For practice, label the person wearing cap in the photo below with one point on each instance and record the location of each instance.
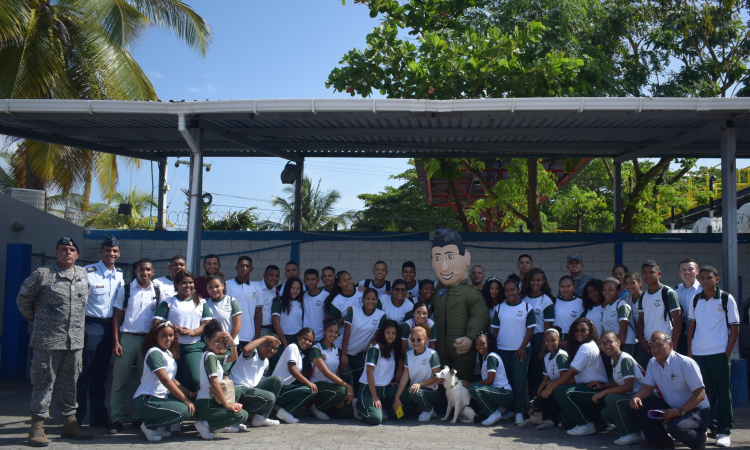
(575, 267)
(683, 405)
(57, 338)
(105, 279)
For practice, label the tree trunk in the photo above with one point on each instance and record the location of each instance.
(533, 195)
(459, 206)
(86, 197)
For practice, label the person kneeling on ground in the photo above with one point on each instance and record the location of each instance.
(684, 399)
(258, 394)
(420, 367)
(334, 394)
(296, 390)
(493, 393)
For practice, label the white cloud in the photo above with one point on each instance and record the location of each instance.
(195, 90)
(211, 89)
(156, 74)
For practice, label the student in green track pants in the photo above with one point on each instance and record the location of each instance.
(296, 390)
(420, 366)
(258, 394)
(160, 400)
(712, 334)
(333, 392)
(628, 378)
(579, 411)
(214, 416)
(493, 393)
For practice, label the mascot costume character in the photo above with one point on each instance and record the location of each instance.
(460, 310)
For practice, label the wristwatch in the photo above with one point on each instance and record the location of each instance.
(680, 411)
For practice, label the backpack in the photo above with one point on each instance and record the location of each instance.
(724, 304)
(126, 299)
(664, 297)
(368, 282)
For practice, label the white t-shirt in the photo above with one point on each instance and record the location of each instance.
(339, 306)
(544, 311)
(413, 293)
(248, 371)
(330, 356)
(210, 367)
(264, 299)
(409, 325)
(184, 313)
(363, 328)
(156, 359)
(566, 312)
(625, 368)
(168, 286)
(247, 298)
(555, 364)
(315, 313)
(394, 312)
(421, 365)
(711, 333)
(493, 363)
(223, 311)
(589, 365)
(290, 322)
(595, 314)
(291, 354)
(384, 367)
(613, 314)
(653, 306)
(381, 290)
(512, 323)
(141, 307)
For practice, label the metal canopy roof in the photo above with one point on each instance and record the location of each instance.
(623, 128)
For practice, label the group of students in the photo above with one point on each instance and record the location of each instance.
(367, 349)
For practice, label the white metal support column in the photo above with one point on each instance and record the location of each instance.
(729, 210)
(194, 139)
(617, 186)
(298, 196)
(161, 218)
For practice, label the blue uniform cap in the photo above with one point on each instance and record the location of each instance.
(66, 240)
(111, 242)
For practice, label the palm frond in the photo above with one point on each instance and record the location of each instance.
(180, 19)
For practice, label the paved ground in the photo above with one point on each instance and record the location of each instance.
(311, 434)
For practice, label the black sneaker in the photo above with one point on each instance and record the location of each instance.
(106, 423)
(712, 434)
(115, 428)
(136, 424)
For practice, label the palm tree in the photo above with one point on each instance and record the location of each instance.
(317, 209)
(104, 215)
(80, 49)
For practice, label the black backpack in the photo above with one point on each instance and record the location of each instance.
(368, 282)
(126, 299)
(724, 304)
(664, 297)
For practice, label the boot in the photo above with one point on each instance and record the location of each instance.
(72, 430)
(36, 433)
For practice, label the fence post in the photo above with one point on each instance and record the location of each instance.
(15, 326)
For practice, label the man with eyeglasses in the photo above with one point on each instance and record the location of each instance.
(686, 292)
(683, 406)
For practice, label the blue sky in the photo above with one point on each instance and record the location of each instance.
(278, 49)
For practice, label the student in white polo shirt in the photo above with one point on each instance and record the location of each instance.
(378, 282)
(686, 291)
(683, 401)
(340, 300)
(243, 290)
(619, 271)
(265, 293)
(291, 270)
(420, 367)
(258, 394)
(409, 275)
(493, 393)
(658, 309)
(712, 334)
(296, 390)
(176, 264)
(335, 395)
(396, 305)
(288, 315)
(568, 308)
(617, 317)
(536, 292)
(314, 302)
(360, 326)
(131, 321)
(224, 308)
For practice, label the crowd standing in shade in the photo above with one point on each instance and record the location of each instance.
(626, 354)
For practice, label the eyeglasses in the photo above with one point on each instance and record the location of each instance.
(581, 331)
(417, 339)
(399, 289)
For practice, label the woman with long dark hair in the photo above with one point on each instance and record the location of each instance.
(189, 313)
(343, 295)
(537, 293)
(426, 291)
(493, 393)
(360, 326)
(288, 315)
(493, 293)
(593, 302)
(334, 394)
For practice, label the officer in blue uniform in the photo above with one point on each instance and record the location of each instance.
(105, 279)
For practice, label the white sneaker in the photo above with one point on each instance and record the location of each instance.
(432, 411)
(151, 435)
(385, 415)
(509, 415)
(242, 427)
(232, 429)
(630, 439)
(285, 416)
(162, 431)
(354, 407)
(493, 418)
(203, 430)
(319, 414)
(611, 427)
(502, 410)
(723, 440)
(425, 416)
(176, 428)
(583, 430)
(260, 421)
(519, 418)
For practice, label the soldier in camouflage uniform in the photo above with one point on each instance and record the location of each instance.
(460, 310)
(53, 299)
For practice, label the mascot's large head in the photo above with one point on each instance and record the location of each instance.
(450, 260)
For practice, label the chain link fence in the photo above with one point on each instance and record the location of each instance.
(41, 259)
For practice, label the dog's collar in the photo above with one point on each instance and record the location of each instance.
(455, 384)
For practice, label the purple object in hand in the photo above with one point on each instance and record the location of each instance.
(656, 414)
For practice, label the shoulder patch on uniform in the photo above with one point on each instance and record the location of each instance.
(91, 269)
(118, 269)
(441, 292)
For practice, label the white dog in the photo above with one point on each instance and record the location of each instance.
(458, 397)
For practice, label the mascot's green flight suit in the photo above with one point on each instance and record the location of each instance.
(460, 310)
